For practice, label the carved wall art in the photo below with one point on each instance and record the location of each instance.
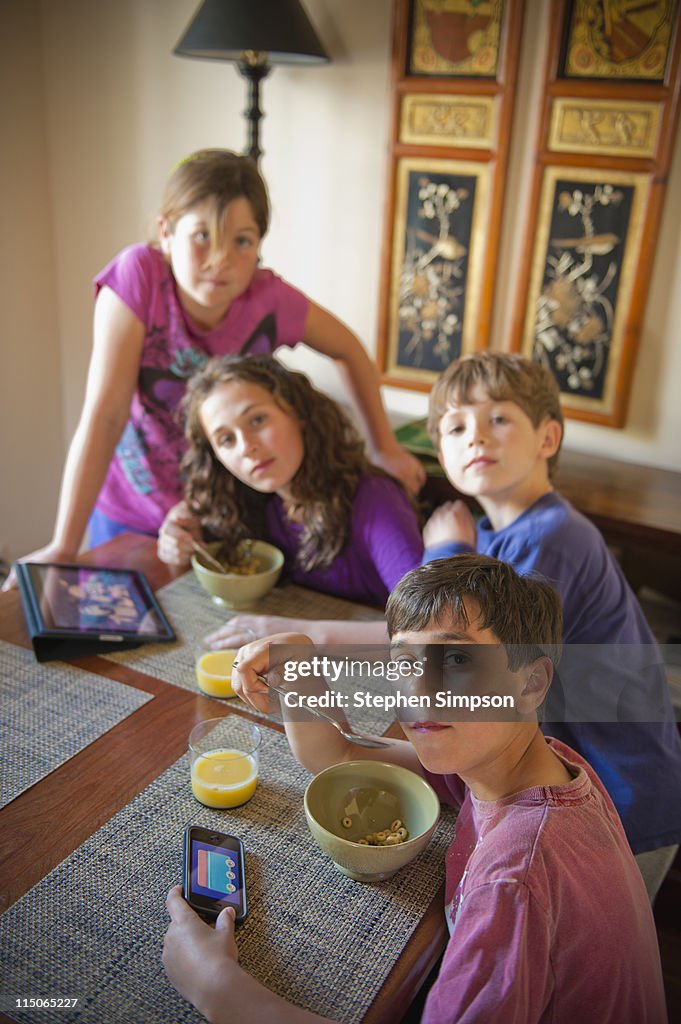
(453, 79)
(605, 139)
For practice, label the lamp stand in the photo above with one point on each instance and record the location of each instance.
(254, 72)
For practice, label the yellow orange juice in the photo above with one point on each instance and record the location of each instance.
(224, 777)
(214, 673)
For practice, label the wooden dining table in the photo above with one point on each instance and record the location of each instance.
(47, 822)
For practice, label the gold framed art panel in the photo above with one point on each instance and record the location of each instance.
(604, 127)
(455, 38)
(624, 41)
(587, 250)
(456, 122)
(454, 69)
(437, 263)
(609, 115)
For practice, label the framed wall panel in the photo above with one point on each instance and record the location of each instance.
(456, 122)
(455, 38)
(603, 156)
(453, 79)
(587, 249)
(441, 217)
(604, 127)
(623, 40)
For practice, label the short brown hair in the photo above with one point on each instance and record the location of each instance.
(505, 378)
(523, 612)
(220, 176)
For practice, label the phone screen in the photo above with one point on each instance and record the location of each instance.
(214, 872)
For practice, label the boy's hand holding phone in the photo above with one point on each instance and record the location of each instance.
(195, 954)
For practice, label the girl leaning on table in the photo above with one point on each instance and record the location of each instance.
(161, 311)
(271, 457)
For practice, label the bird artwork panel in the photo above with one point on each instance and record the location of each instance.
(433, 258)
(585, 262)
(576, 308)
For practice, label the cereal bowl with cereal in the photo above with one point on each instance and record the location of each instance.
(248, 574)
(371, 817)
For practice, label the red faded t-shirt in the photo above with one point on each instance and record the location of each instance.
(143, 481)
(548, 914)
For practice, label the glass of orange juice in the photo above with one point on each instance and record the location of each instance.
(223, 753)
(214, 665)
(214, 670)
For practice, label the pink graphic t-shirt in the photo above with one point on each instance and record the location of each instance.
(143, 481)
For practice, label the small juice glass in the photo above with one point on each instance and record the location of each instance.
(224, 761)
(214, 670)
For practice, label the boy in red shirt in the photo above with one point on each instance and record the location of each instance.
(548, 915)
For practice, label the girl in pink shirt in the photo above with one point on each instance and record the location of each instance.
(161, 311)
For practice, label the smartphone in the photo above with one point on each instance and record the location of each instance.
(214, 875)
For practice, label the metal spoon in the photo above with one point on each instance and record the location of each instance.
(353, 737)
(218, 566)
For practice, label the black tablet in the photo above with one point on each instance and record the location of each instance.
(74, 609)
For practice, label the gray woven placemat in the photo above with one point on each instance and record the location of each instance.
(193, 615)
(49, 712)
(93, 928)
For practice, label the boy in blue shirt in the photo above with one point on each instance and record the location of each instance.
(497, 425)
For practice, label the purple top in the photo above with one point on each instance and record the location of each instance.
(639, 761)
(384, 543)
(548, 914)
(143, 480)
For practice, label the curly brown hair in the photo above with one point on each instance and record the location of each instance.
(324, 487)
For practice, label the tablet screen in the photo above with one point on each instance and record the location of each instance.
(85, 599)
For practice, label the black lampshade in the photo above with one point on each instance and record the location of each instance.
(225, 29)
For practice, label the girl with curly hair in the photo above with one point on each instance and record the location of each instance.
(271, 457)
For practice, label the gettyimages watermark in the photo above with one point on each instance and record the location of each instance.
(397, 672)
(613, 683)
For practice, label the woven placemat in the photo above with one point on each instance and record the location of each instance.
(193, 615)
(49, 712)
(93, 928)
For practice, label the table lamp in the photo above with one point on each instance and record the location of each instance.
(255, 34)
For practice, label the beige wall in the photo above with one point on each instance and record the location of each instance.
(31, 420)
(102, 111)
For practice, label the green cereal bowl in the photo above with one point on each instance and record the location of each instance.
(372, 794)
(230, 590)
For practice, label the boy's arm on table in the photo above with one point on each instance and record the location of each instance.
(315, 744)
(113, 373)
(203, 964)
(320, 631)
(326, 334)
(449, 531)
